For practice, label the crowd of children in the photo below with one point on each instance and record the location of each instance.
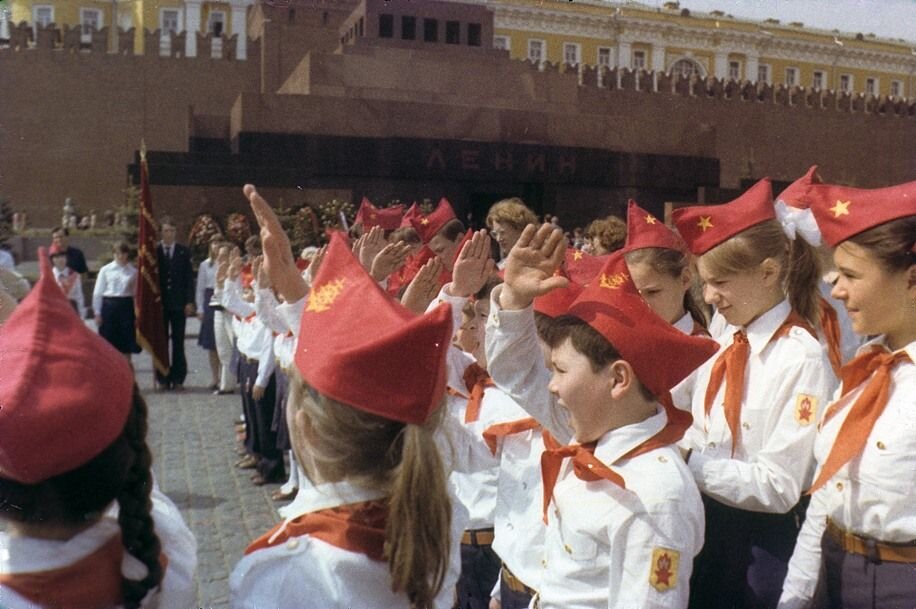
(700, 416)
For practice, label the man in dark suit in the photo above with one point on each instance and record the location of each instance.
(176, 282)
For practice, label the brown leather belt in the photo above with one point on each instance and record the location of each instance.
(477, 537)
(876, 550)
(514, 583)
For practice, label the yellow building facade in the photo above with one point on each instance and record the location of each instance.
(218, 18)
(672, 38)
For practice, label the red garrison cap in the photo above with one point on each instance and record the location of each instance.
(362, 348)
(705, 226)
(65, 392)
(56, 249)
(796, 194)
(645, 230)
(389, 218)
(428, 226)
(842, 212)
(661, 355)
(412, 212)
(580, 267)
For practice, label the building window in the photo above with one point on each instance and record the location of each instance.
(452, 32)
(474, 34)
(90, 21)
(386, 26)
(170, 20)
(536, 50)
(685, 67)
(846, 83)
(818, 81)
(897, 88)
(503, 43)
(604, 57)
(408, 27)
(42, 15)
(359, 27)
(430, 30)
(871, 86)
(763, 73)
(639, 60)
(734, 70)
(571, 53)
(217, 23)
(791, 77)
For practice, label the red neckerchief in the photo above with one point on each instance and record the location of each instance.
(357, 527)
(476, 380)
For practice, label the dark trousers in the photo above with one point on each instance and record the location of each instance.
(744, 558)
(512, 599)
(853, 581)
(479, 569)
(174, 322)
(260, 439)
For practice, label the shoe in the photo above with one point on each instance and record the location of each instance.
(258, 479)
(214, 387)
(248, 462)
(178, 387)
(239, 421)
(279, 495)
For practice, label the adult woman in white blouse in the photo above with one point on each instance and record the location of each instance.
(113, 301)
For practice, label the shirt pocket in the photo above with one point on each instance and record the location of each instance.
(578, 545)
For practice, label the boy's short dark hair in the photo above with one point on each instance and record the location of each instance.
(452, 230)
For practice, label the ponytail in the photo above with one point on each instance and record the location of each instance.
(137, 530)
(802, 278)
(419, 519)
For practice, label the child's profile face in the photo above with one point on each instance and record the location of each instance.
(663, 293)
(584, 393)
(59, 262)
(470, 337)
(739, 297)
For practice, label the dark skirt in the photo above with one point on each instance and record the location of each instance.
(118, 323)
(206, 338)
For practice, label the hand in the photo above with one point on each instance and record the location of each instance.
(256, 267)
(98, 321)
(235, 268)
(389, 259)
(424, 287)
(257, 392)
(189, 309)
(278, 254)
(222, 271)
(372, 243)
(495, 604)
(530, 267)
(200, 316)
(260, 274)
(473, 266)
(315, 264)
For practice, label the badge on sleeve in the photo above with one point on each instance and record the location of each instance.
(805, 409)
(663, 573)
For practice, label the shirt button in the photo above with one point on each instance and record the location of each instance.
(292, 544)
(881, 445)
(839, 486)
(567, 548)
(544, 562)
(524, 486)
(745, 426)
(711, 445)
(662, 459)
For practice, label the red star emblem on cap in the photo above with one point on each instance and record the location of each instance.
(841, 208)
(705, 223)
(424, 221)
(577, 255)
(650, 219)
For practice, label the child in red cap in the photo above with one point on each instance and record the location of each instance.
(623, 514)
(86, 526)
(378, 528)
(755, 406)
(858, 543)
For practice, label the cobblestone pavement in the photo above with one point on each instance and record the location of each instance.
(192, 437)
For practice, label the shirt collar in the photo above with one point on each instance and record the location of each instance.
(881, 341)
(761, 330)
(328, 495)
(618, 442)
(685, 324)
(30, 554)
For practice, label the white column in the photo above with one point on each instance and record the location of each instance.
(240, 28)
(191, 27)
(751, 67)
(5, 23)
(623, 54)
(721, 67)
(658, 58)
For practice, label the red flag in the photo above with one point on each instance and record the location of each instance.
(148, 301)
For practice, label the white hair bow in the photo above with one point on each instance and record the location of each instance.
(798, 221)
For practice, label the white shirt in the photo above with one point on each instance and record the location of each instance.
(6, 260)
(518, 518)
(206, 278)
(113, 280)
(874, 494)
(306, 571)
(603, 543)
(178, 589)
(256, 341)
(773, 462)
(70, 277)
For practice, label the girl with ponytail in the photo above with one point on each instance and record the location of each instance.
(755, 405)
(858, 543)
(378, 528)
(86, 529)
